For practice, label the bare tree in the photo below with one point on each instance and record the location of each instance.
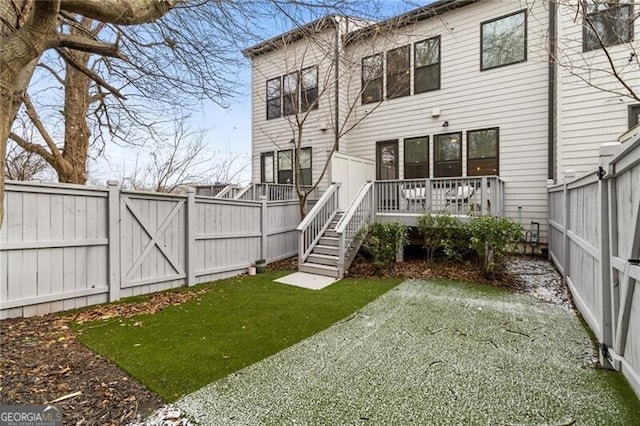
(29, 28)
(23, 165)
(315, 52)
(171, 161)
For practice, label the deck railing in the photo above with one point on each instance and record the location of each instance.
(317, 221)
(359, 213)
(471, 196)
(270, 192)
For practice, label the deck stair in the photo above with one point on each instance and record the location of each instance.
(324, 257)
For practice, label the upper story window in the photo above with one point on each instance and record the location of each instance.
(372, 74)
(416, 158)
(447, 150)
(426, 74)
(399, 72)
(504, 41)
(482, 152)
(292, 93)
(274, 98)
(309, 89)
(607, 23)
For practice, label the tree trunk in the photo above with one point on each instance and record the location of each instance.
(76, 131)
(19, 51)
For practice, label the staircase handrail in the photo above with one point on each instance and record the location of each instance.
(239, 195)
(226, 191)
(359, 213)
(317, 221)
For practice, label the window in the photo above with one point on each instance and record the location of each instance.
(309, 89)
(290, 94)
(416, 158)
(634, 115)
(305, 167)
(504, 41)
(285, 167)
(399, 72)
(482, 152)
(426, 75)
(274, 100)
(266, 167)
(447, 155)
(607, 23)
(372, 79)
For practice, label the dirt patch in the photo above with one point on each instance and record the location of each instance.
(42, 361)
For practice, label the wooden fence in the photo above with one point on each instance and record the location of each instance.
(595, 243)
(69, 246)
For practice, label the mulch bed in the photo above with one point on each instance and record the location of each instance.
(41, 361)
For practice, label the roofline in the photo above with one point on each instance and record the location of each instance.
(298, 33)
(420, 14)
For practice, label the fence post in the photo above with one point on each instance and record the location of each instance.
(190, 217)
(567, 242)
(605, 271)
(263, 229)
(114, 239)
(483, 194)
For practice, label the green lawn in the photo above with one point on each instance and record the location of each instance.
(238, 322)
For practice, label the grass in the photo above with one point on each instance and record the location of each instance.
(430, 352)
(238, 322)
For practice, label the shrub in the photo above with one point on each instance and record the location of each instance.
(383, 241)
(443, 231)
(493, 238)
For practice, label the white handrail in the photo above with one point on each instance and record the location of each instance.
(353, 207)
(317, 221)
(359, 213)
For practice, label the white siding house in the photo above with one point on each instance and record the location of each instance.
(467, 86)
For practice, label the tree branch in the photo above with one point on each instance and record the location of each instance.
(122, 12)
(35, 119)
(32, 147)
(92, 75)
(84, 44)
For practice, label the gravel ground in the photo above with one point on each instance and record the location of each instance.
(427, 354)
(539, 278)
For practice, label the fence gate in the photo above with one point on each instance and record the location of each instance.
(152, 239)
(624, 202)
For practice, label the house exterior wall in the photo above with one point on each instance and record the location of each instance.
(592, 108)
(276, 134)
(513, 98)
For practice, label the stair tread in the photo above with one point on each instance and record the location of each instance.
(320, 266)
(325, 256)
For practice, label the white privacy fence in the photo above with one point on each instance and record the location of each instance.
(595, 243)
(69, 246)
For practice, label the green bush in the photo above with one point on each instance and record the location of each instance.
(383, 240)
(443, 232)
(493, 238)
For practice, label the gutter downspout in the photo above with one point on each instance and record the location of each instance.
(552, 89)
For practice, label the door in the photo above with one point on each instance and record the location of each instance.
(387, 169)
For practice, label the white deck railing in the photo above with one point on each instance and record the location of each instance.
(317, 221)
(270, 192)
(359, 213)
(472, 196)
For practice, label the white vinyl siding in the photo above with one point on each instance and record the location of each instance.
(589, 116)
(513, 98)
